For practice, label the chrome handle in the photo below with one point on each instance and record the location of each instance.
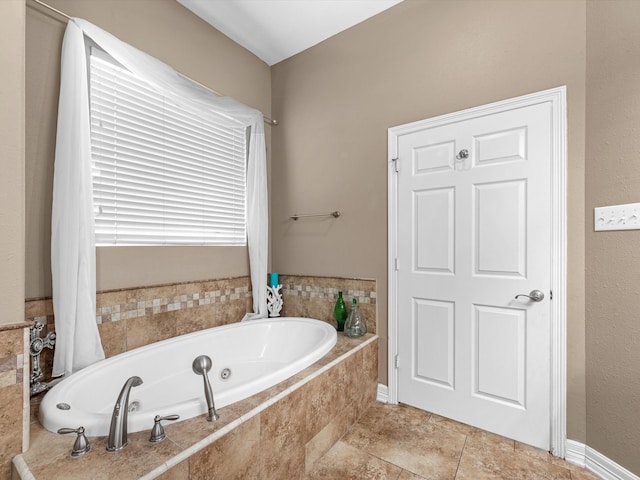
(463, 154)
(81, 445)
(157, 432)
(534, 295)
(168, 417)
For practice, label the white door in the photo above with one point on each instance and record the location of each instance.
(474, 231)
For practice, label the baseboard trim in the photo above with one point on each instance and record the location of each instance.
(383, 393)
(576, 453)
(585, 456)
(606, 468)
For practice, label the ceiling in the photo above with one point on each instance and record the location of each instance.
(277, 29)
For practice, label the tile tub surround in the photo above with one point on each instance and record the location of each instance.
(315, 297)
(134, 317)
(131, 318)
(276, 434)
(14, 375)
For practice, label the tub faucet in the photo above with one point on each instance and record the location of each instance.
(201, 366)
(118, 430)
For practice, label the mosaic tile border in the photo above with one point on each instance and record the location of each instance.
(114, 313)
(129, 310)
(331, 293)
(303, 287)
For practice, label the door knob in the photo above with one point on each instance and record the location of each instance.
(463, 154)
(534, 295)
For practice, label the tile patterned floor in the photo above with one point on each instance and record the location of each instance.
(403, 443)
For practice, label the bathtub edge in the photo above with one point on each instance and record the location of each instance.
(205, 442)
(24, 472)
(21, 468)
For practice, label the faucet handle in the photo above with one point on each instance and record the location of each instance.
(81, 445)
(157, 432)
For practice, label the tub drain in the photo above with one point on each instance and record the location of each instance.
(63, 406)
(225, 373)
(134, 406)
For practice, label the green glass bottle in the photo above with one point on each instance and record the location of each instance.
(340, 312)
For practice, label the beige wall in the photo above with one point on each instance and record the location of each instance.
(168, 31)
(613, 258)
(13, 387)
(419, 59)
(12, 59)
(335, 103)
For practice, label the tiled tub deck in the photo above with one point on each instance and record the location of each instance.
(275, 434)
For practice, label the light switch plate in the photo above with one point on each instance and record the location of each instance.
(617, 217)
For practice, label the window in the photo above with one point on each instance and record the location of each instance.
(163, 173)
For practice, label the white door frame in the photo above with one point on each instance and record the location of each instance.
(556, 97)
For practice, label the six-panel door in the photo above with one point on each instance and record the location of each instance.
(474, 219)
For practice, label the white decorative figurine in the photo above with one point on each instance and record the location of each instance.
(274, 300)
(274, 297)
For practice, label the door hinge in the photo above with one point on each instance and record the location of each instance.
(397, 361)
(550, 294)
(396, 164)
(395, 264)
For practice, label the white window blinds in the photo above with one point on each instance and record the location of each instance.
(163, 174)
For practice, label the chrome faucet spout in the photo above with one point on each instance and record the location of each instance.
(201, 366)
(118, 429)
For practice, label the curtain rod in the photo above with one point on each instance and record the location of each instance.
(267, 120)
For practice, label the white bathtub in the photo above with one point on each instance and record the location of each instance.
(259, 354)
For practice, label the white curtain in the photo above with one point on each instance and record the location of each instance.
(72, 240)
